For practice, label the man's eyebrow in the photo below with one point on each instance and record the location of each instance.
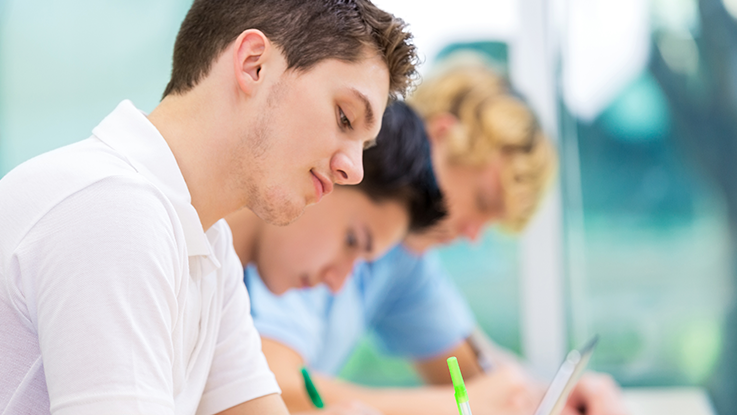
(369, 111)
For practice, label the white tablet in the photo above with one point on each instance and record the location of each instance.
(557, 394)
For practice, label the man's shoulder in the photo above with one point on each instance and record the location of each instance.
(49, 178)
(400, 275)
(65, 169)
(87, 174)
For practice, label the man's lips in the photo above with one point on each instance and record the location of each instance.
(322, 185)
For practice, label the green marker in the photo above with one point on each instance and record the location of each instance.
(460, 388)
(312, 390)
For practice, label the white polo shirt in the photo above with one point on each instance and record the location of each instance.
(112, 298)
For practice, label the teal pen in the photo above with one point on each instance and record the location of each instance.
(460, 388)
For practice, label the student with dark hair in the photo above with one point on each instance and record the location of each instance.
(120, 291)
(400, 168)
(398, 194)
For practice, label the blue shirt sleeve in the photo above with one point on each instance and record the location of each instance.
(419, 313)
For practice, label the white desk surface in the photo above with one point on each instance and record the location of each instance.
(668, 401)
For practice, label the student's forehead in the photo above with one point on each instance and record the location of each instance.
(367, 75)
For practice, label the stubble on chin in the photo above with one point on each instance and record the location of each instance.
(275, 208)
(269, 201)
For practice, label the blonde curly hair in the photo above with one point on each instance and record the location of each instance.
(492, 122)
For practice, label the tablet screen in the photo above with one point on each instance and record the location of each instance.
(565, 379)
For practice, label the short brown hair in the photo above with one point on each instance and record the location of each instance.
(492, 121)
(306, 31)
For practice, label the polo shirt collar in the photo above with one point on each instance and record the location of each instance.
(129, 132)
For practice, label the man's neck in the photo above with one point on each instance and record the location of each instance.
(198, 134)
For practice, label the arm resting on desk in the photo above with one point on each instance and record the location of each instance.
(505, 391)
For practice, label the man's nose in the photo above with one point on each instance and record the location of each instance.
(347, 165)
(336, 275)
(334, 279)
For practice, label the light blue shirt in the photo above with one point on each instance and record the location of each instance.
(407, 300)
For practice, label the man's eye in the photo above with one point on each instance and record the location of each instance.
(350, 239)
(344, 121)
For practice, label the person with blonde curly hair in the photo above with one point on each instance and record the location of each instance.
(493, 164)
(488, 150)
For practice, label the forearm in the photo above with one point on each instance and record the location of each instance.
(427, 400)
(434, 371)
(424, 400)
(505, 390)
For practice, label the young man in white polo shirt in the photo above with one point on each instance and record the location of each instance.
(120, 291)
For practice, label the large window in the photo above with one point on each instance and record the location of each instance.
(644, 101)
(649, 191)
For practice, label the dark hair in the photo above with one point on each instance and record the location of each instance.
(399, 168)
(306, 31)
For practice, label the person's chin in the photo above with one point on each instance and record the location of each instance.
(419, 244)
(276, 289)
(416, 247)
(282, 213)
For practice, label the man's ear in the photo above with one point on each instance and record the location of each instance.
(252, 48)
(440, 125)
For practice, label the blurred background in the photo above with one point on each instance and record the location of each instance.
(636, 241)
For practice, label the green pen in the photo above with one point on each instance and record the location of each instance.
(312, 390)
(460, 388)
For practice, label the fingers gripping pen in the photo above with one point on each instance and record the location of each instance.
(460, 388)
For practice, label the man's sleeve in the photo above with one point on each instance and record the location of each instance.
(239, 371)
(98, 279)
(422, 314)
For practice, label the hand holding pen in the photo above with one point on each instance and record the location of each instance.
(504, 391)
(342, 408)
